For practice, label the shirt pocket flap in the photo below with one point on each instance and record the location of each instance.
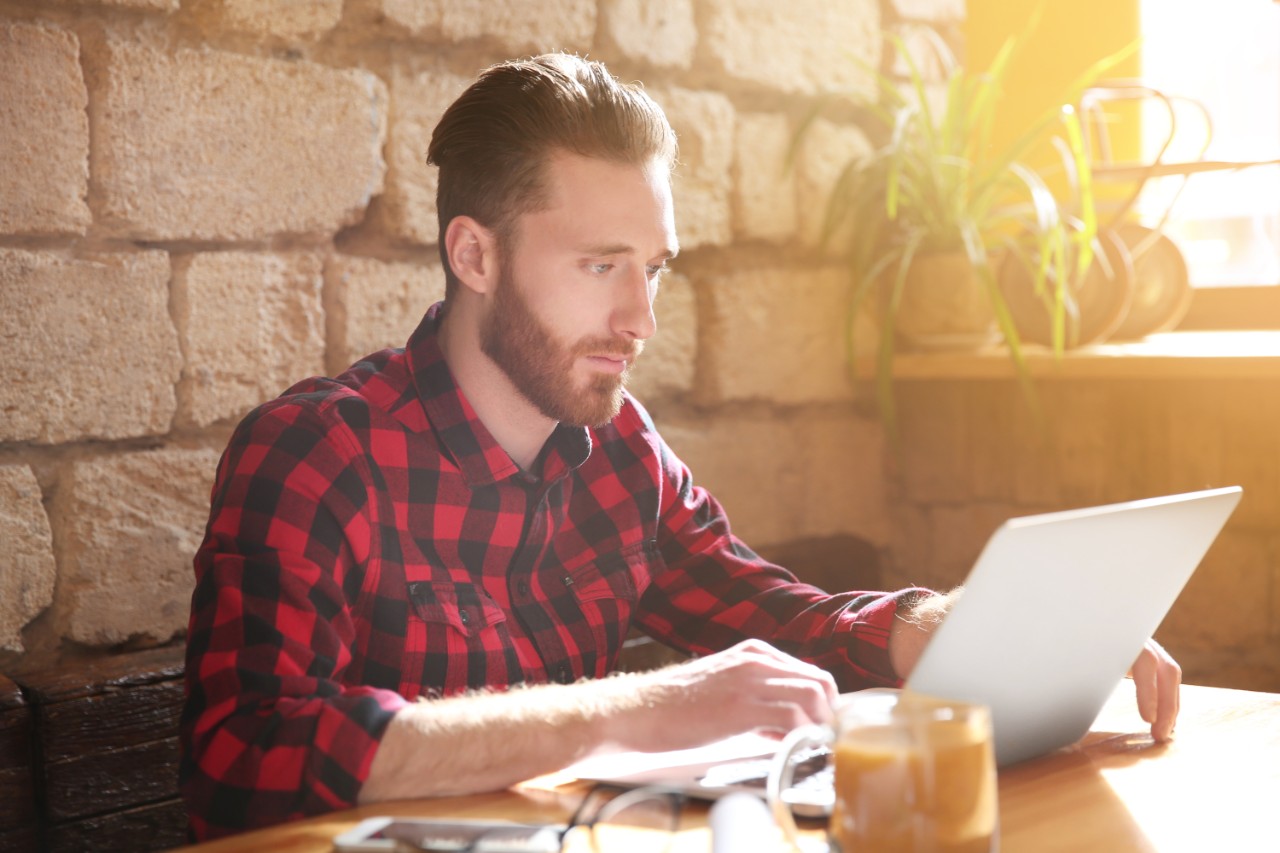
(463, 607)
(622, 574)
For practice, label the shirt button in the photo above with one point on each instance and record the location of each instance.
(522, 587)
(462, 615)
(563, 674)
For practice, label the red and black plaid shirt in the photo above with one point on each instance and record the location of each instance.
(370, 542)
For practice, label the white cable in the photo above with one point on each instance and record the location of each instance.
(741, 823)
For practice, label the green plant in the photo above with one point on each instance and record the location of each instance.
(936, 184)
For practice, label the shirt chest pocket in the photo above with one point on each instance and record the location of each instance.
(606, 591)
(462, 607)
(461, 636)
(624, 574)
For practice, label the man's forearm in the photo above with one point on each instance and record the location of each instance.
(488, 741)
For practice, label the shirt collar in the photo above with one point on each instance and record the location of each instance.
(473, 448)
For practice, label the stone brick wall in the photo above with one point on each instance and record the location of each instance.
(973, 456)
(202, 201)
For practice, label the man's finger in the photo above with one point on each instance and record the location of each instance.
(804, 694)
(1157, 679)
(1143, 673)
(1168, 684)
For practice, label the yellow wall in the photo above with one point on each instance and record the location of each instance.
(1069, 38)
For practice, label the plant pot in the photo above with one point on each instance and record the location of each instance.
(1161, 287)
(1101, 299)
(944, 305)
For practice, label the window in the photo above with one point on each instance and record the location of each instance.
(1226, 56)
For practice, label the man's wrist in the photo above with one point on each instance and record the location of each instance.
(918, 615)
(925, 608)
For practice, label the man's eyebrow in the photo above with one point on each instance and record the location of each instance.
(602, 249)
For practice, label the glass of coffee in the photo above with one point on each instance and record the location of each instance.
(912, 773)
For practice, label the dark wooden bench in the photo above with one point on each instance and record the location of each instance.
(101, 741)
(19, 829)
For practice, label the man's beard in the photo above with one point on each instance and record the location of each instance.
(541, 367)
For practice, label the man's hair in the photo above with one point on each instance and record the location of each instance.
(492, 144)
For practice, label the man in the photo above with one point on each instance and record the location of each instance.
(391, 553)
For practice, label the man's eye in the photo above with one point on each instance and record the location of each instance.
(655, 270)
(599, 269)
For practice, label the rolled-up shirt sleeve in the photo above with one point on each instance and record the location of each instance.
(715, 591)
(270, 730)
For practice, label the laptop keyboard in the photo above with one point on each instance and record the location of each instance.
(813, 772)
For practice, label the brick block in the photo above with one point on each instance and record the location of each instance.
(129, 526)
(922, 48)
(295, 20)
(764, 189)
(701, 185)
(371, 305)
(777, 335)
(146, 5)
(666, 367)
(44, 132)
(408, 207)
(787, 478)
(251, 325)
(825, 152)
(801, 47)
(27, 567)
(517, 27)
(662, 34)
(215, 146)
(88, 346)
(935, 11)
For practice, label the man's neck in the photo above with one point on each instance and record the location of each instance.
(516, 424)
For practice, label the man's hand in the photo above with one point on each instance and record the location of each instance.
(1157, 678)
(749, 686)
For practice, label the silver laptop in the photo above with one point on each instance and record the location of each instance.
(1054, 612)
(1057, 608)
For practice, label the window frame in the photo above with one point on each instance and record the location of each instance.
(1231, 308)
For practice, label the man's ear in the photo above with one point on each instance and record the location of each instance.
(473, 253)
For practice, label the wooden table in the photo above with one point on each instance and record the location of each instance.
(1215, 787)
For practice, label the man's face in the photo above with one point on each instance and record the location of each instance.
(574, 301)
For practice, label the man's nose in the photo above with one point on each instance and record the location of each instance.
(633, 318)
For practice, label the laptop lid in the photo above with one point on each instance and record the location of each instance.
(1057, 608)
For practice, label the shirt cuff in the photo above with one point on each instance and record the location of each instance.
(880, 614)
